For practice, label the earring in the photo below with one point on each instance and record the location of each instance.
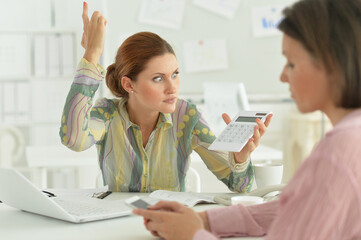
(132, 91)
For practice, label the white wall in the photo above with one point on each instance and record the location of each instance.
(255, 61)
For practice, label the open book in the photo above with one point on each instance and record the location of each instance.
(186, 198)
(190, 199)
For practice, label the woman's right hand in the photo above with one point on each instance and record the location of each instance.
(93, 35)
(171, 220)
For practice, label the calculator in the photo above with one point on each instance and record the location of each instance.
(238, 131)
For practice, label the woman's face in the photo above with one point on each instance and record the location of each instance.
(156, 88)
(308, 79)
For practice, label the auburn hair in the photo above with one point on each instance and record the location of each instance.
(132, 57)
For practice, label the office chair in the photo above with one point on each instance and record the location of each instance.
(193, 181)
(12, 146)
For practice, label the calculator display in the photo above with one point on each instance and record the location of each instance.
(246, 119)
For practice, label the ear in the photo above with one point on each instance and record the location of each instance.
(127, 84)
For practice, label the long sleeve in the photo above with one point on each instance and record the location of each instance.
(238, 177)
(81, 127)
(326, 206)
(204, 235)
(239, 220)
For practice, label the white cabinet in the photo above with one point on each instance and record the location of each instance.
(37, 70)
(39, 50)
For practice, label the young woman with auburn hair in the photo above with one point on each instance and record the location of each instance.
(146, 134)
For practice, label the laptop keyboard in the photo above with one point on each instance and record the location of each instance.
(86, 208)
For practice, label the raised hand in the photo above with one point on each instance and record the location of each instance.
(253, 142)
(84, 39)
(93, 35)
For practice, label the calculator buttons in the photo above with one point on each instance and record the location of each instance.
(236, 133)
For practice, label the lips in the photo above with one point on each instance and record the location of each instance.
(170, 100)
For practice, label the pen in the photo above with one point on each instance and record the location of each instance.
(49, 194)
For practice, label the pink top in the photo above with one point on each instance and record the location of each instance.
(322, 201)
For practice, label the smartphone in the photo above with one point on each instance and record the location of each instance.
(137, 202)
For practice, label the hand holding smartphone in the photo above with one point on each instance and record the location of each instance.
(137, 202)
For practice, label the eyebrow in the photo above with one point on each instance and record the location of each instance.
(177, 69)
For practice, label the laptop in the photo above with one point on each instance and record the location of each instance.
(18, 192)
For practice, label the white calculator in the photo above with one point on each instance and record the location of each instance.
(238, 131)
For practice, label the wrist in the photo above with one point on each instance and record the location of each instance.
(91, 57)
(205, 221)
(240, 158)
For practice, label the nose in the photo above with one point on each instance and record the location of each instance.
(283, 77)
(172, 86)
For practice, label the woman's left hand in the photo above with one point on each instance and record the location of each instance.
(253, 142)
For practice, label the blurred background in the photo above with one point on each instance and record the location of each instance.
(229, 54)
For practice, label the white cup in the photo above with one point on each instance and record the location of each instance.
(268, 173)
(246, 200)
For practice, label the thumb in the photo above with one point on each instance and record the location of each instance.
(226, 118)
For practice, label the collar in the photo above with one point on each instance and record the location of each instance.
(165, 119)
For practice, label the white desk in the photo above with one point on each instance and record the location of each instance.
(16, 225)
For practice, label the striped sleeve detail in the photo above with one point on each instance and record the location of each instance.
(88, 74)
(238, 167)
(75, 129)
(88, 78)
